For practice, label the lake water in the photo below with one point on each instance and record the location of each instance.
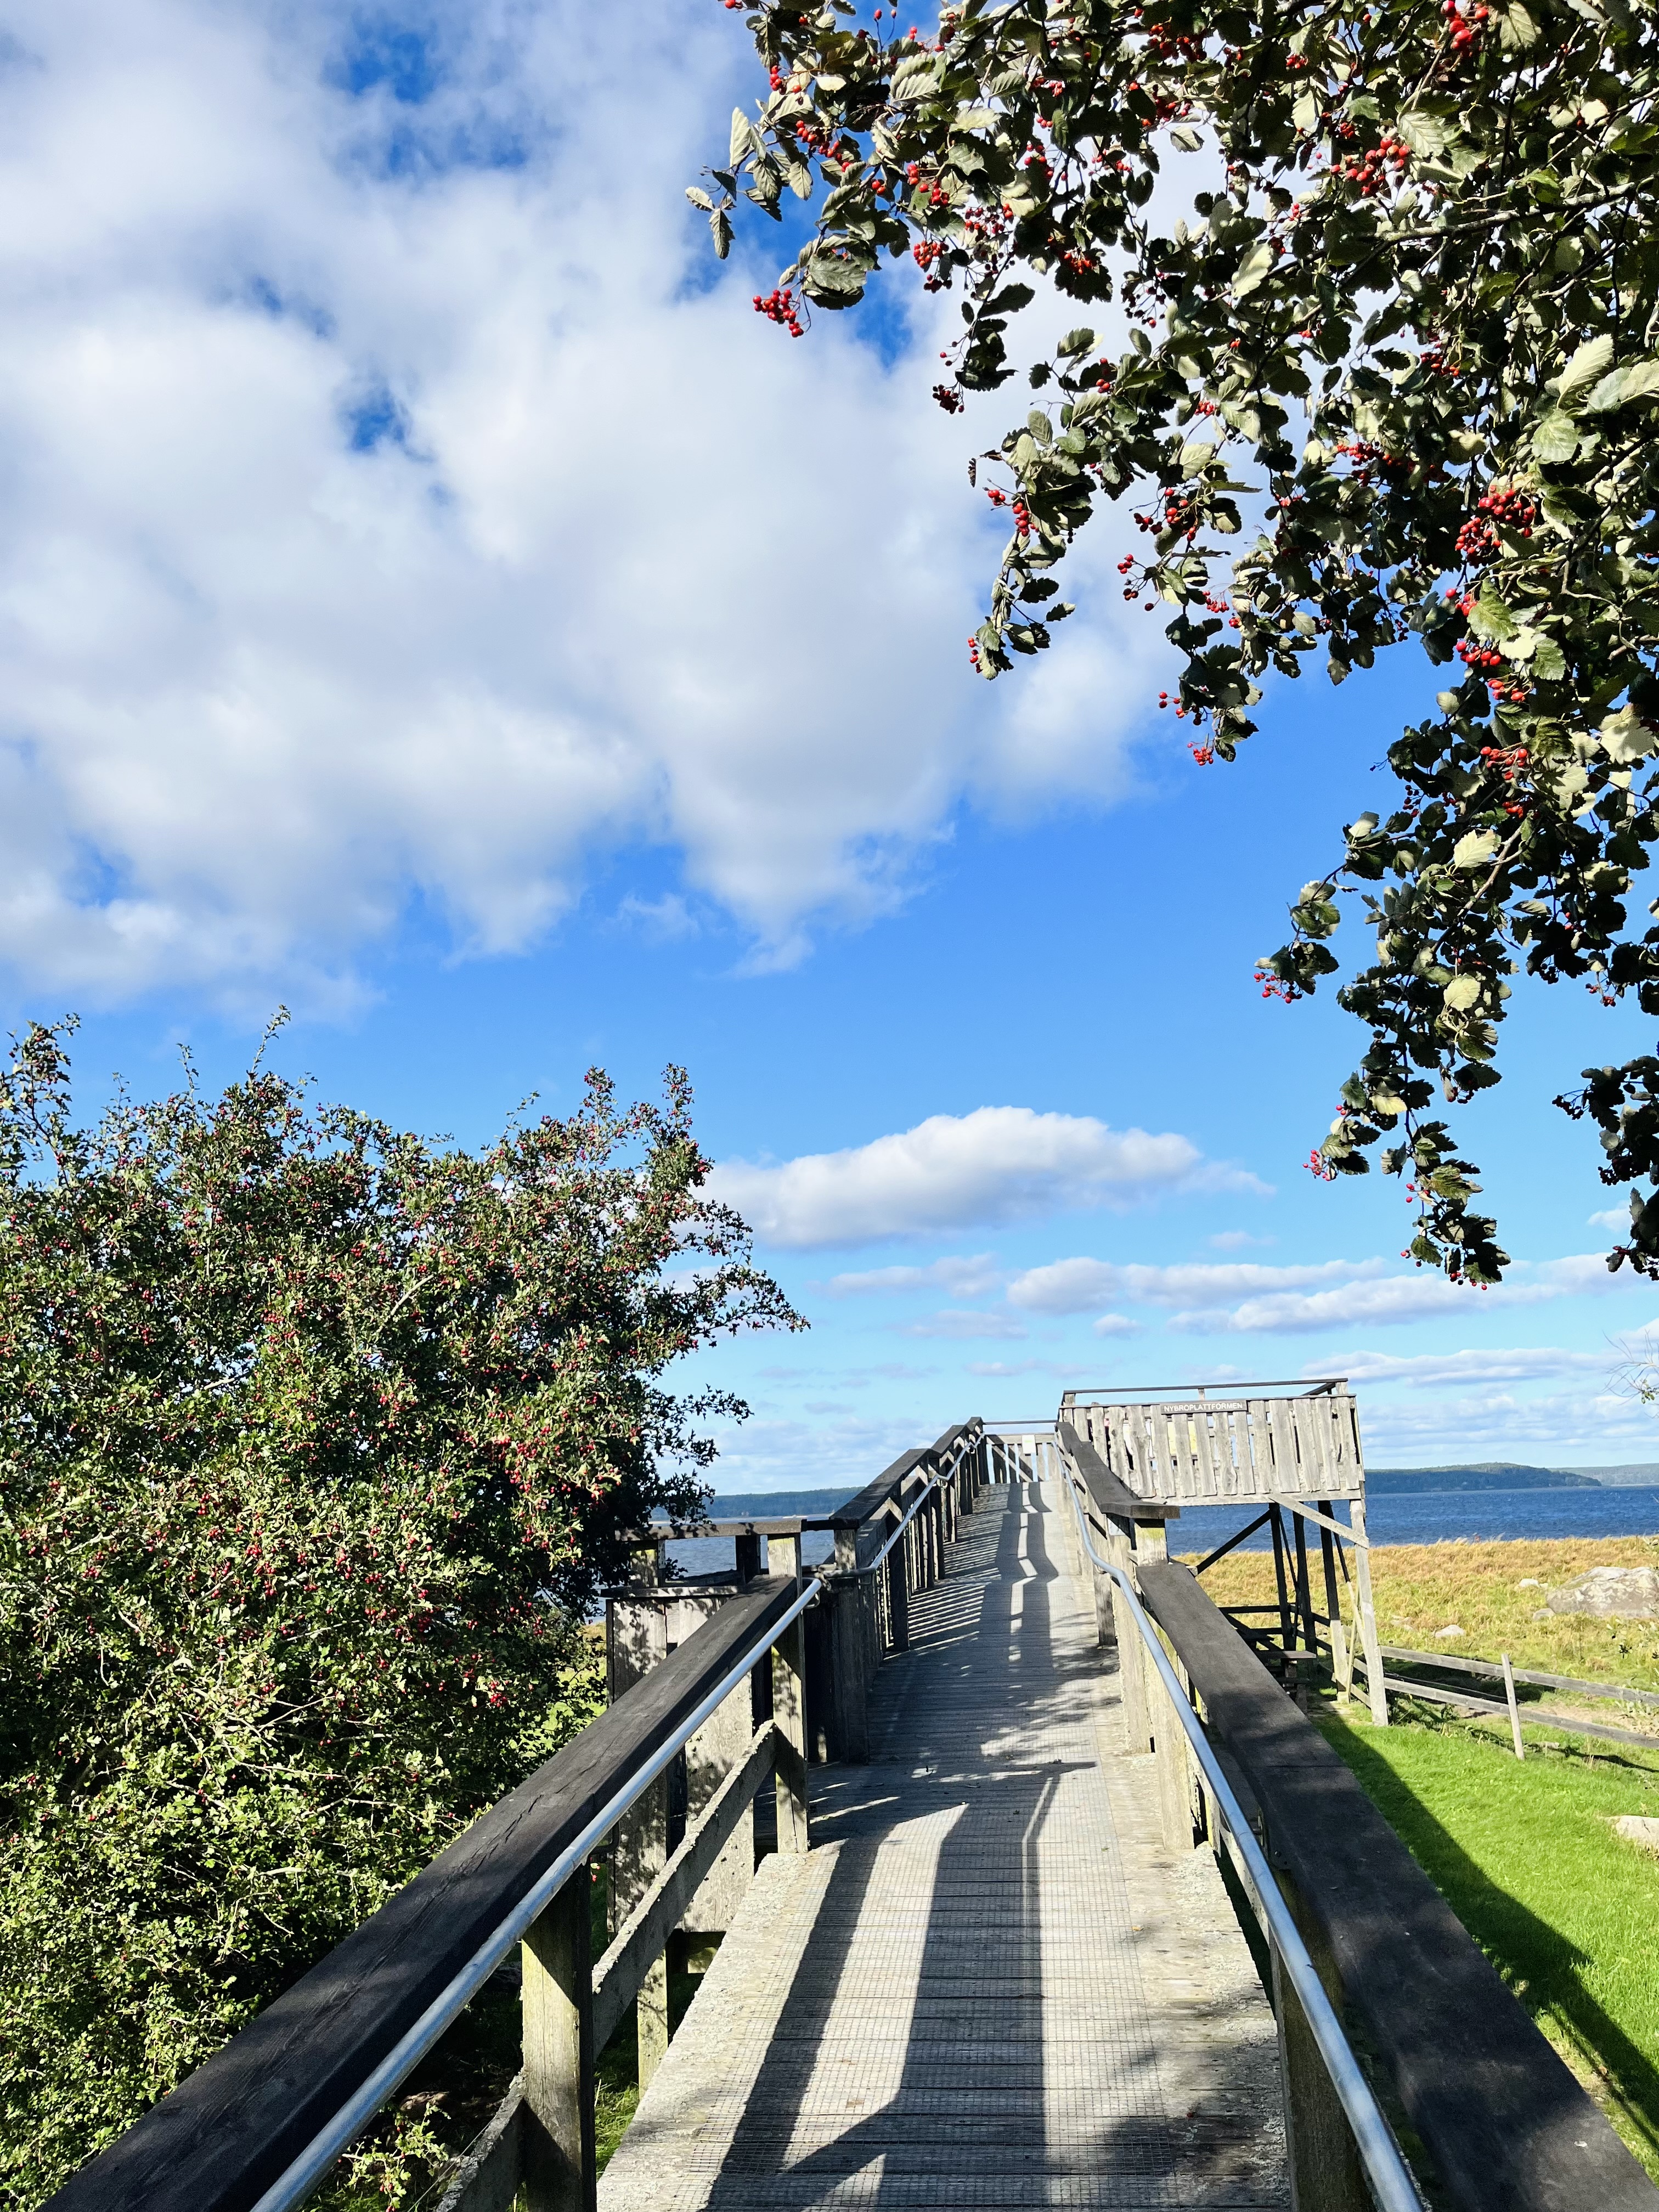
(1434, 1516)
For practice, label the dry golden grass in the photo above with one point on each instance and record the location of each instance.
(1490, 1591)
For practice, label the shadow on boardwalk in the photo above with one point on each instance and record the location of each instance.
(966, 2023)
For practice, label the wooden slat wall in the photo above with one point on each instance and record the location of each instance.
(1214, 1451)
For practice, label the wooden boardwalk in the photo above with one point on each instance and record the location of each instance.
(989, 1983)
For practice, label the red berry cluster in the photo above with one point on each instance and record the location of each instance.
(1204, 755)
(1370, 171)
(949, 399)
(1510, 759)
(1317, 1163)
(973, 650)
(1368, 458)
(1274, 986)
(1436, 362)
(779, 306)
(996, 497)
(1465, 29)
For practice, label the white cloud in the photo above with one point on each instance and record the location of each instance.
(393, 491)
(1243, 1298)
(1492, 1425)
(959, 1322)
(997, 1164)
(1114, 1324)
(1069, 1287)
(1615, 1216)
(962, 1276)
(1239, 1240)
(1429, 1369)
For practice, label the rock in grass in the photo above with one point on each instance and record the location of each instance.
(1444, 1635)
(1643, 1833)
(1611, 1594)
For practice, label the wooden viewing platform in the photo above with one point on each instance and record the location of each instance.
(1026, 1880)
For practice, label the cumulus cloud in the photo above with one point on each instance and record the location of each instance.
(1430, 1369)
(393, 490)
(961, 1276)
(962, 1322)
(955, 1171)
(1491, 1424)
(1243, 1297)
(1081, 1286)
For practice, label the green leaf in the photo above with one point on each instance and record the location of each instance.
(1585, 370)
(1621, 387)
(1185, 139)
(1426, 135)
(1490, 617)
(700, 199)
(1549, 663)
(1556, 438)
(1075, 342)
(1625, 737)
(1463, 991)
(1515, 28)
(720, 223)
(1254, 270)
(743, 137)
(1196, 459)
(1475, 849)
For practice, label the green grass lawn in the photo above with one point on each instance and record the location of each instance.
(1525, 1855)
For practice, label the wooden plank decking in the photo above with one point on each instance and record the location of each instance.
(989, 1984)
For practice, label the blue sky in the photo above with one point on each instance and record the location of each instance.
(431, 598)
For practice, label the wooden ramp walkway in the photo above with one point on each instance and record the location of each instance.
(989, 1983)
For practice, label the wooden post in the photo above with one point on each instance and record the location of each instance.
(1276, 1530)
(638, 1641)
(898, 1593)
(1515, 1710)
(789, 1707)
(1366, 1614)
(749, 1551)
(850, 1734)
(1326, 2173)
(1131, 1660)
(558, 2055)
(1307, 1639)
(1341, 1663)
(1164, 1734)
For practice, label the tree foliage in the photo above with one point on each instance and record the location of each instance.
(315, 1442)
(1392, 376)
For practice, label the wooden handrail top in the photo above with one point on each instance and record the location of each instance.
(230, 2128)
(1107, 1491)
(1507, 2126)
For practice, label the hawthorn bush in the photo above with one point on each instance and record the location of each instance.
(315, 1442)
(1391, 334)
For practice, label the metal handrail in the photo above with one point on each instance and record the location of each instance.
(1388, 2173)
(302, 2174)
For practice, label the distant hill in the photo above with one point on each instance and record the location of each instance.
(1643, 1471)
(1484, 1474)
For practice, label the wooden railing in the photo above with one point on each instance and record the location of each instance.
(257, 2127)
(1500, 2123)
(1495, 2114)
